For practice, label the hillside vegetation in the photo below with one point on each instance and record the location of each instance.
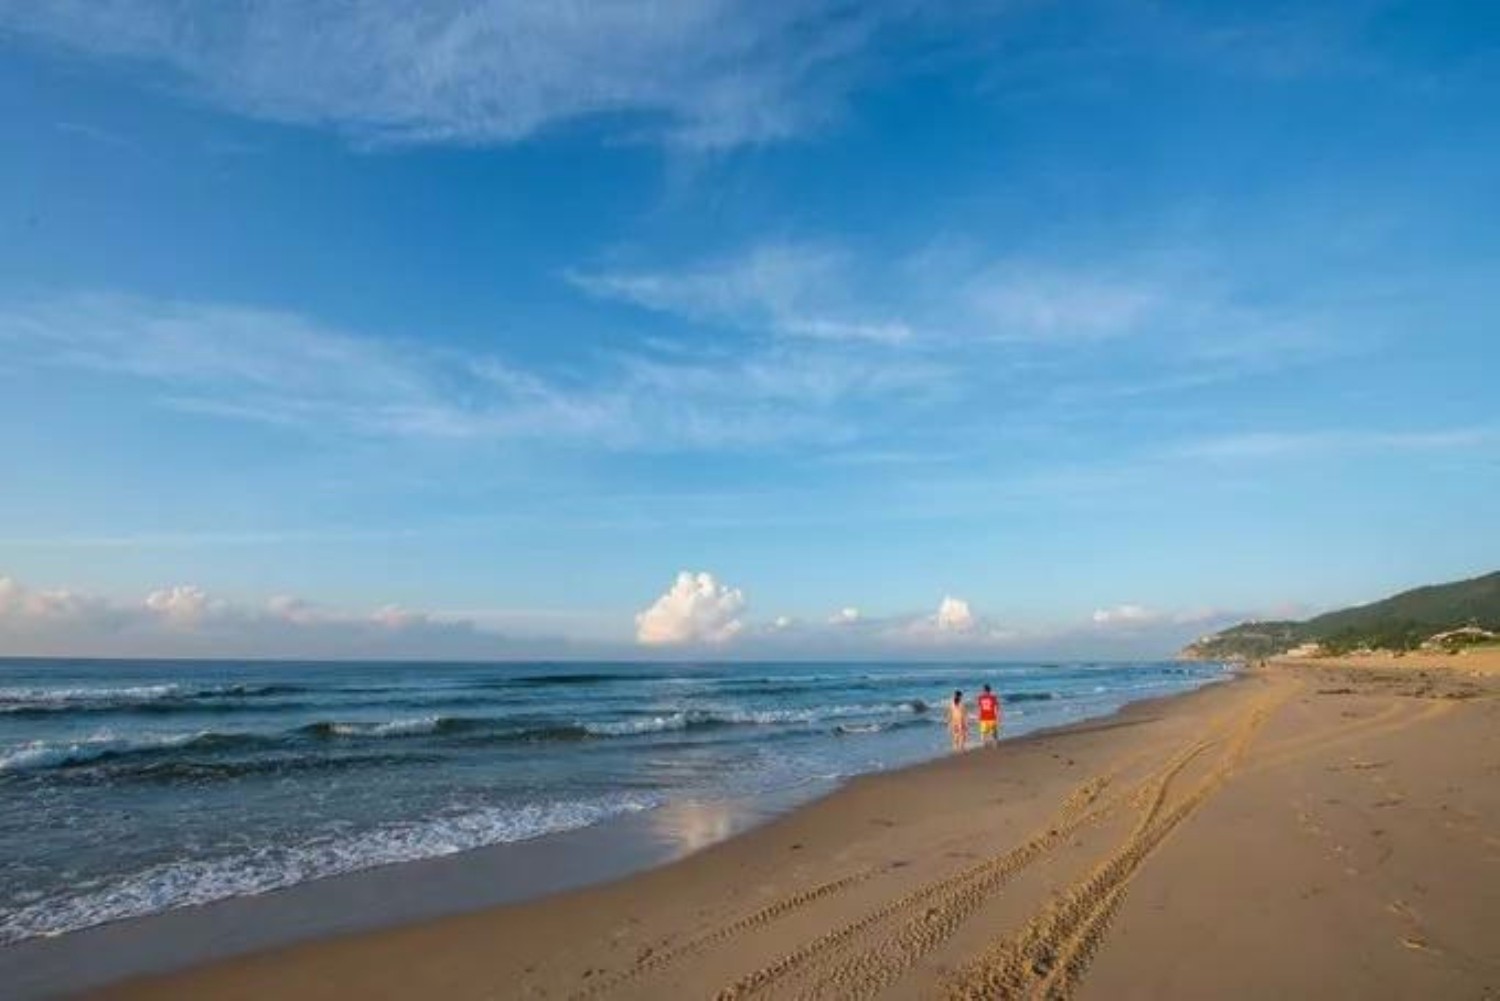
(1402, 622)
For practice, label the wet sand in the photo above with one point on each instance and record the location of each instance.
(1310, 830)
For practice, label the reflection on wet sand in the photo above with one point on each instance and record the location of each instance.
(694, 824)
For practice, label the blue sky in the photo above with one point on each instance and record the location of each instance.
(1009, 328)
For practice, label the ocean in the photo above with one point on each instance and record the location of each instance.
(133, 787)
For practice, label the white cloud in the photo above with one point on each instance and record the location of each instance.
(1126, 615)
(1171, 627)
(184, 606)
(954, 616)
(699, 73)
(695, 609)
(954, 622)
(184, 620)
(23, 606)
(844, 617)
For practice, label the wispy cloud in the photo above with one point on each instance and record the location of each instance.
(193, 540)
(283, 369)
(797, 290)
(1023, 303)
(942, 298)
(1290, 444)
(699, 73)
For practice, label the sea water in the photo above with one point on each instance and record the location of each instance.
(131, 787)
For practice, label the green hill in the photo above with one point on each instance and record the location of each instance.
(1401, 622)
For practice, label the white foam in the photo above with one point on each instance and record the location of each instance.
(66, 696)
(390, 728)
(649, 724)
(274, 866)
(772, 716)
(737, 716)
(51, 754)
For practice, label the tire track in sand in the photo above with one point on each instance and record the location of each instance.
(1048, 956)
(877, 967)
(1074, 811)
(662, 958)
(1078, 801)
(949, 901)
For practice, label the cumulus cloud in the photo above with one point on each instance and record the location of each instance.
(844, 616)
(954, 616)
(21, 606)
(696, 73)
(953, 623)
(695, 609)
(184, 620)
(184, 606)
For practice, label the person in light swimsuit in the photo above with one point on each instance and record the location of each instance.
(958, 722)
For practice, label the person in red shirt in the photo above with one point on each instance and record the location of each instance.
(989, 716)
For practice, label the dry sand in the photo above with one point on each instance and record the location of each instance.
(1307, 831)
(1483, 660)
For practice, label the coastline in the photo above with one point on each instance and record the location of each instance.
(389, 897)
(1203, 845)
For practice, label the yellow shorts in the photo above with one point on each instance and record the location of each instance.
(989, 728)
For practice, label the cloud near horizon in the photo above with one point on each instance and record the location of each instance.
(695, 609)
(184, 620)
(953, 623)
(1126, 615)
(698, 611)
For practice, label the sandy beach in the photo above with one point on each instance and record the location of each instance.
(1309, 830)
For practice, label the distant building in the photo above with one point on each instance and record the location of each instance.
(1462, 636)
